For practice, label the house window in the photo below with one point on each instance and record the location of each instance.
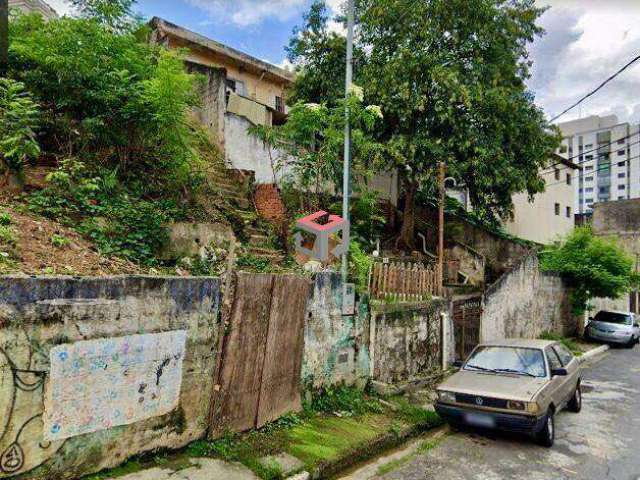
(588, 179)
(622, 164)
(557, 208)
(588, 189)
(568, 212)
(589, 201)
(621, 187)
(588, 146)
(621, 141)
(622, 197)
(622, 175)
(236, 86)
(589, 157)
(280, 104)
(621, 153)
(568, 179)
(589, 168)
(557, 173)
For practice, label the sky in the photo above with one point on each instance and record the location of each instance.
(585, 42)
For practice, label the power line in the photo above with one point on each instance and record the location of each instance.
(599, 169)
(591, 151)
(598, 88)
(586, 160)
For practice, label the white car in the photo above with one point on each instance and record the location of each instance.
(614, 327)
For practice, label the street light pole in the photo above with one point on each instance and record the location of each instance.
(441, 181)
(4, 37)
(347, 138)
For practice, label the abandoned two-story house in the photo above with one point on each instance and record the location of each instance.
(240, 91)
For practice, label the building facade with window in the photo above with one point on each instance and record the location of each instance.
(549, 215)
(34, 6)
(608, 154)
(239, 91)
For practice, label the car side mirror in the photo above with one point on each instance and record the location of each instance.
(458, 363)
(591, 319)
(637, 325)
(559, 372)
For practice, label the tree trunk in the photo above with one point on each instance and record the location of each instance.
(406, 240)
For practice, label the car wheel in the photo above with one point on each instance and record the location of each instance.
(575, 404)
(631, 343)
(547, 435)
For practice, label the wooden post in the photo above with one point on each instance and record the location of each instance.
(441, 173)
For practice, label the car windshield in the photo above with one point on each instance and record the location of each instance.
(612, 317)
(523, 361)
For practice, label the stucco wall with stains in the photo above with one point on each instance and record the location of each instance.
(334, 350)
(526, 302)
(128, 360)
(405, 340)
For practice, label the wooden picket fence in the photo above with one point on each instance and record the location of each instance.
(403, 281)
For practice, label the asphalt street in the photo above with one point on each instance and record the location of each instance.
(601, 442)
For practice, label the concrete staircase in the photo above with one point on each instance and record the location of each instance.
(234, 188)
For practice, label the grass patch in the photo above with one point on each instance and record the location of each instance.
(336, 423)
(570, 343)
(329, 438)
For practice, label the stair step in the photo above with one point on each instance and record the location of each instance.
(258, 240)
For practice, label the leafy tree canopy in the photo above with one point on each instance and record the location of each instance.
(117, 15)
(450, 78)
(595, 267)
(319, 56)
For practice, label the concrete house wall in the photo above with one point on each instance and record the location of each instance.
(551, 214)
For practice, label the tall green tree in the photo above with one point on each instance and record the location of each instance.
(595, 267)
(319, 56)
(450, 77)
(117, 15)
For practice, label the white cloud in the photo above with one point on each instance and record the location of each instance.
(586, 41)
(250, 12)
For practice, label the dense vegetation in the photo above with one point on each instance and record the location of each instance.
(595, 267)
(450, 80)
(93, 97)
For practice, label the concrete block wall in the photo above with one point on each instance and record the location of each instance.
(39, 316)
(405, 340)
(334, 350)
(526, 302)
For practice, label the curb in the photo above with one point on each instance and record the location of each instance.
(585, 357)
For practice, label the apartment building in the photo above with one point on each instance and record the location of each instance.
(608, 154)
(31, 6)
(551, 213)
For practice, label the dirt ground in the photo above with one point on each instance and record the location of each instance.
(44, 247)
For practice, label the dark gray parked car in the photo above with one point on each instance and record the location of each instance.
(614, 327)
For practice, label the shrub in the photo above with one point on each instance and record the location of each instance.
(19, 118)
(595, 267)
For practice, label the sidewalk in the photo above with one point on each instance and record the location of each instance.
(198, 469)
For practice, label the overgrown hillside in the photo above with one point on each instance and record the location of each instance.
(108, 115)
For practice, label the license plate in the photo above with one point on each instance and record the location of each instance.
(480, 420)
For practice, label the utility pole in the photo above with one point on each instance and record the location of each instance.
(4, 37)
(441, 181)
(347, 140)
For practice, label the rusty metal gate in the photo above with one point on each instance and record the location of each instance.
(466, 325)
(259, 371)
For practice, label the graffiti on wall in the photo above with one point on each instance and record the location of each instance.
(22, 378)
(99, 384)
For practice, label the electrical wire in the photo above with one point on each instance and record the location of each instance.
(596, 90)
(599, 169)
(593, 150)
